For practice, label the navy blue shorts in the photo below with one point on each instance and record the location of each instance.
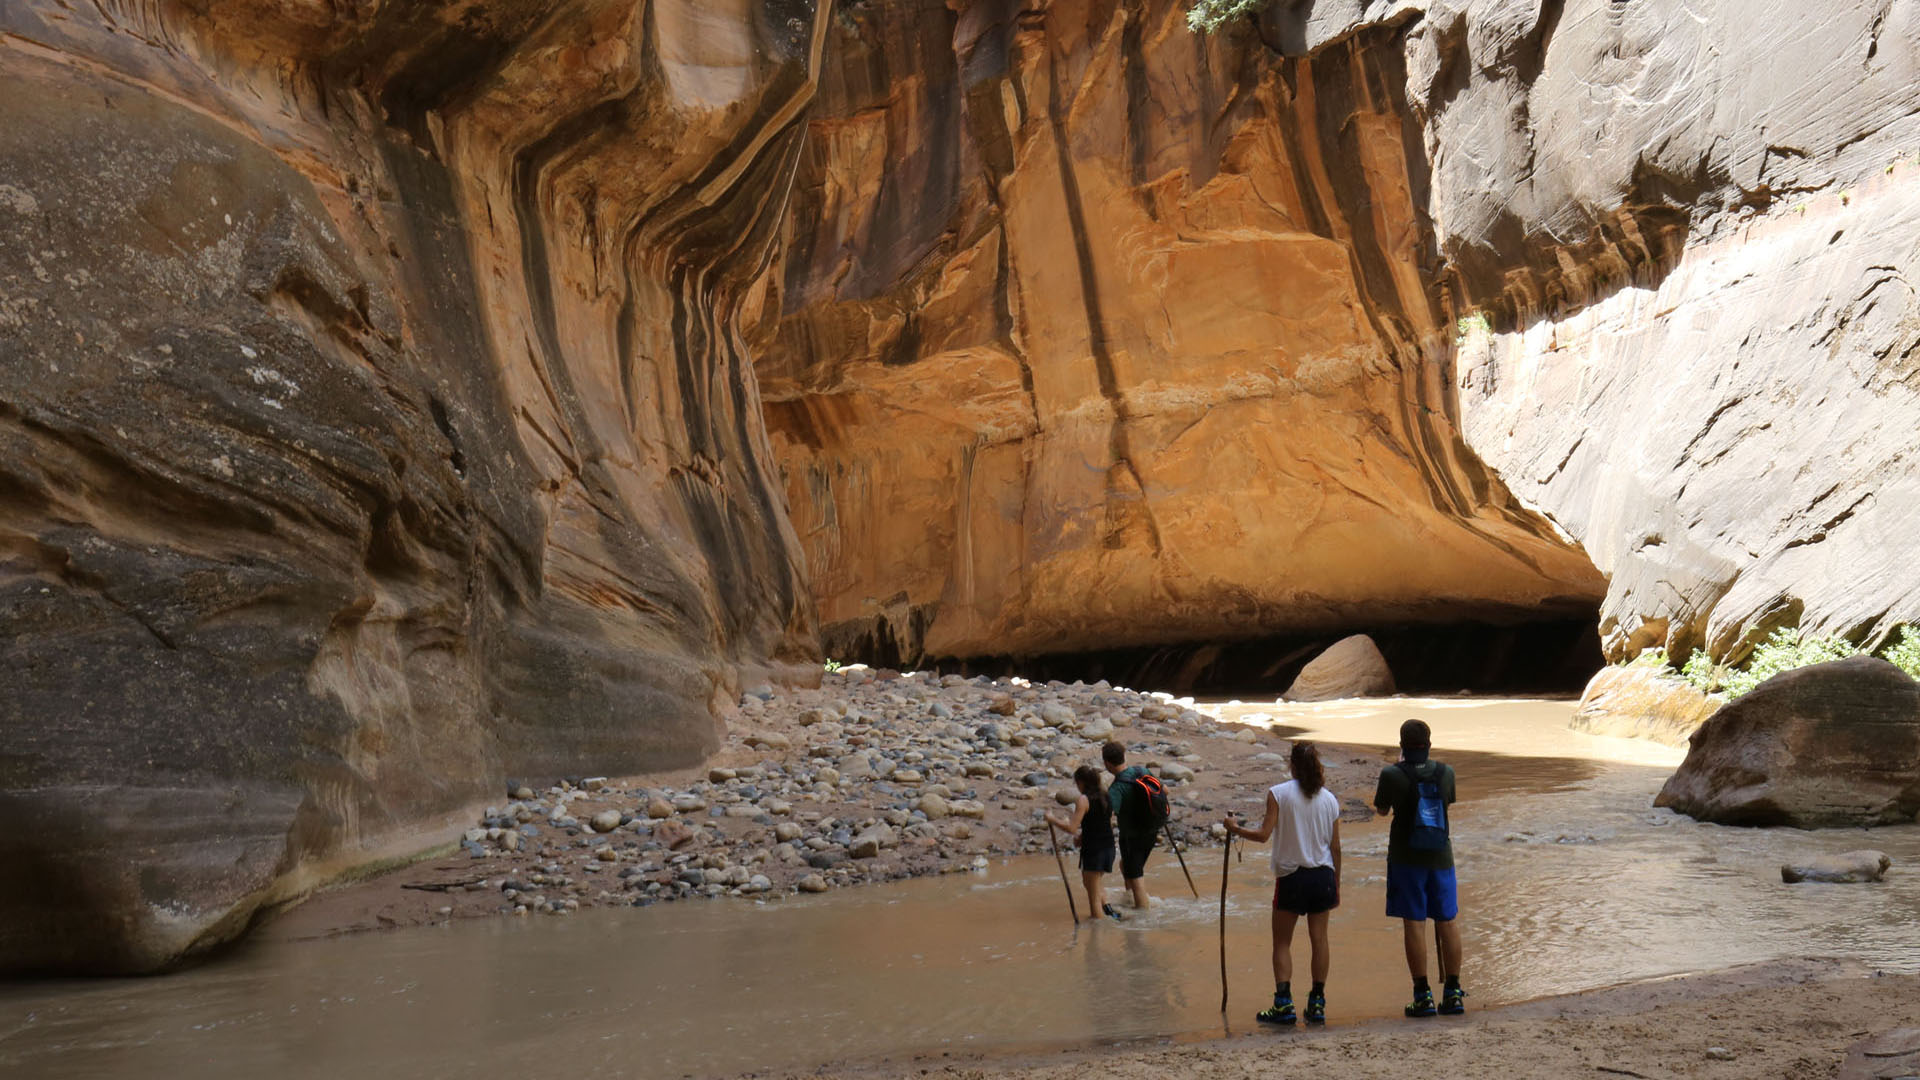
(1419, 893)
(1098, 860)
(1309, 890)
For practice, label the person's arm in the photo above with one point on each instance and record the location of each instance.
(1382, 798)
(1072, 824)
(1334, 846)
(1258, 836)
(1115, 792)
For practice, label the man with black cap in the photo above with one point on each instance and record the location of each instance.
(1417, 791)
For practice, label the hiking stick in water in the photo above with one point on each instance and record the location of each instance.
(1071, 906)
(1226, 864)
(1183, 859)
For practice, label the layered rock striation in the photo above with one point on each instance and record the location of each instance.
(1091, 333)
(374, 424)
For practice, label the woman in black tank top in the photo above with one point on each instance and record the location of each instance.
(1093, 816)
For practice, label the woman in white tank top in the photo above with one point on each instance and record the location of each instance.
(1303, 818)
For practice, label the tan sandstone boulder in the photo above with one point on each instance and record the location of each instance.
(1842, 869)
(1351, 667)
(1826, 746)
(1637, 702)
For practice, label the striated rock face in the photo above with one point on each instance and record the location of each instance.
(1635, 702)
(374, 424)
(1693, 232)
(1828, 746)
(1091, 333)
(1349, 668)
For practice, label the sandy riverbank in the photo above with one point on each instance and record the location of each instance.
(1791, 1019)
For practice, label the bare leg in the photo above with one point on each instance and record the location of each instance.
(1096, 896)
(1322, 949)
(1138, 887)
(1448, 933)
(1416, 934)
(1283, 923)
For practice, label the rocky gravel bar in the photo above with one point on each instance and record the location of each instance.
(873, 776)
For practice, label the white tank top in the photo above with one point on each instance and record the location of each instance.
(1303, 833)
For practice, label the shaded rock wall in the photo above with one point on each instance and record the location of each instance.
(1092, 333)
(1694, 233)
(374, 424)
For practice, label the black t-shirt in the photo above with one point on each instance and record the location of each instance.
(1398, 795)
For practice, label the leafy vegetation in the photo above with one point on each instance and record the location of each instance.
(1472, 324)
(1784, 650)
(833, 666)
(1207, 16)
(1905, 653)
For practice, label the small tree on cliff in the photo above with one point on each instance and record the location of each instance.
(1207, 16)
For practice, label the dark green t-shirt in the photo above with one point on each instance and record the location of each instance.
(1117, 793)
(1396, 795)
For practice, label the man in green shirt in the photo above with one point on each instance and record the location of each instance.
(1135, 839)
(1417, 791)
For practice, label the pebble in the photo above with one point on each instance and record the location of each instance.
(605, 821)
(813, 883)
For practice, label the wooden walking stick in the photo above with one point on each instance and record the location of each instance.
(1071, 906)
(1226, 864)
(1183, 859)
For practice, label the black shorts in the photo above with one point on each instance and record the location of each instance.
(1097, 860)
(1309, 890)
(1133, 856)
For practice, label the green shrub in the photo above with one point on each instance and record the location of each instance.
(1702, 672)
(1207, 16)
(1785, 650)
(1905, 653)
(1470, 325)
(833, 666)
(1654, 658)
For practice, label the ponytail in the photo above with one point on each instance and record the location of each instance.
(1087, 779)
(1305, 761)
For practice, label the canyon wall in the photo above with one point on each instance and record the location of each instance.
(374, 426)
(1093, 333)
(1694, 234)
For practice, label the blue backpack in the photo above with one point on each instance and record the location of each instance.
(1429, 812)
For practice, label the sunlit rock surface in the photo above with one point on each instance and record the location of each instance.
(374, 425)
(1636, 701)
(1694, 231)
(1092, 333)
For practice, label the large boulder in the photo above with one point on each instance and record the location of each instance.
(1638, 702)
(1827, 746)
(1351, 667)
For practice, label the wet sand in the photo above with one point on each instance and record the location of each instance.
(1796, 1020)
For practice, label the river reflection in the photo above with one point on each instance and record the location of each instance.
(1570, 881)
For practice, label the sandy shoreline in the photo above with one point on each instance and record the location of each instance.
(1796, 1019)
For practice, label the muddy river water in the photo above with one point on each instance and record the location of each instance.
(1570, 880)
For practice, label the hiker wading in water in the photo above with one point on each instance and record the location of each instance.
(1303, 818)
(1094, 818)
(1420, 885)
(1140, 810)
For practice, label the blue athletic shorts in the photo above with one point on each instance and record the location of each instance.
(1417, 893)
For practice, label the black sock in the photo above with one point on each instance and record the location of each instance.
(1420, 986)
(1453, 982)
(1320, 988)
(1283, 990)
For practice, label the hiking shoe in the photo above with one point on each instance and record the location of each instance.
(1110, 912)
(1422, 1004)
(1280, 1013)
(1453, 1002)
(1316, 1008)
